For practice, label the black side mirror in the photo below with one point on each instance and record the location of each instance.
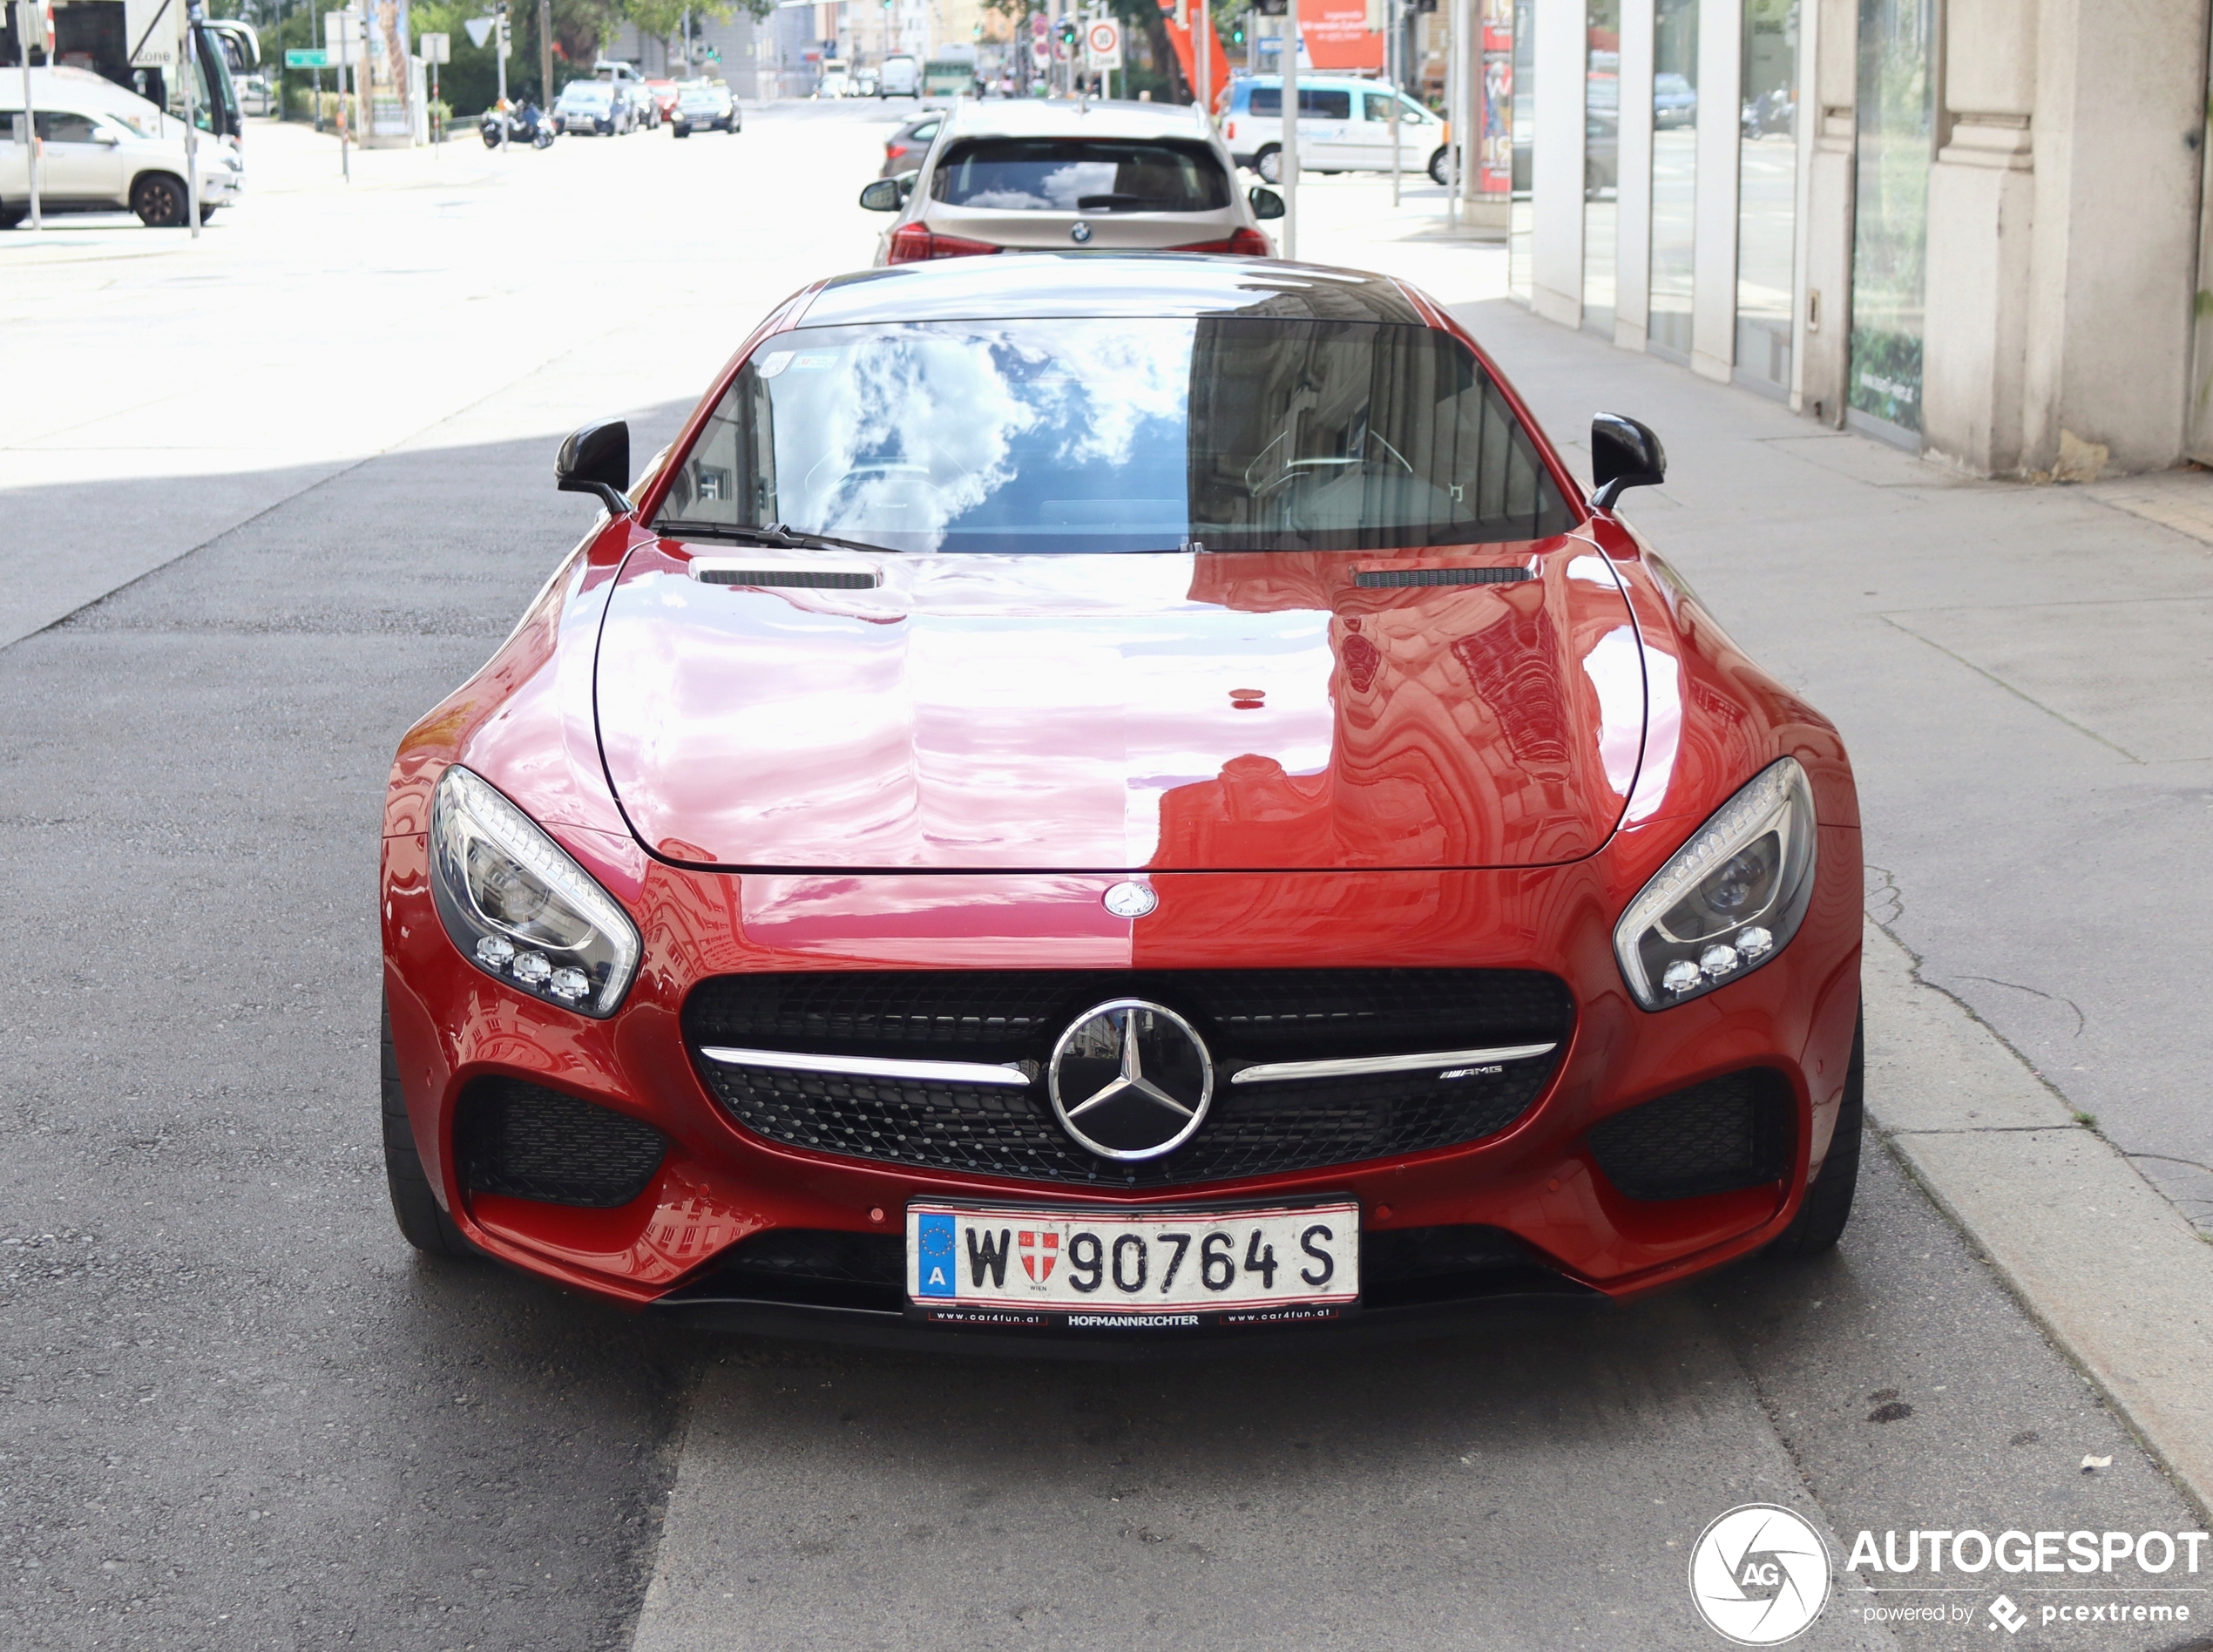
(597, 460)
(1624, 454)
(884, 195)
(1266, 202)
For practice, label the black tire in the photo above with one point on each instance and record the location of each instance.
(1269, 163)
(206, 212)
(10, 216)
(159, 200)
(679, 132)
(1441, 166)
(424, 1223)
(1821, 1218)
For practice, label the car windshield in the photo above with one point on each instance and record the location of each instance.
(1118, 434)
(1080, 175)
(587, 93)
(146, 124)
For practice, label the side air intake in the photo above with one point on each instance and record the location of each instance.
(529, 1142)
(803, 578)
(1732, 1132)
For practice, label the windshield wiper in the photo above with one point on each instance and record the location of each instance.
(774, 533)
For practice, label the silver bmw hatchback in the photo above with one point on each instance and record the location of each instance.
(1070, 175)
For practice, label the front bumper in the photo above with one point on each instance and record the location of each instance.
(1536, 1182)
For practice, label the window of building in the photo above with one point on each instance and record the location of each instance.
(1601, 152)
(1891, 222)
(1674, 175)
(1767, 192)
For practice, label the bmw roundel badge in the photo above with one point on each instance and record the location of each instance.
(1080, 231)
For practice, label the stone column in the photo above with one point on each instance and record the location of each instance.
(1982, 203)
(1720, 81)
(1556, 164)
(1829, 81)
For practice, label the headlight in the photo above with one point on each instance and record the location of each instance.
(1731, 899)
(519, 908)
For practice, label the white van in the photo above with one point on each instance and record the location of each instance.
(1343, 126)
(103, 149)
(899, 77)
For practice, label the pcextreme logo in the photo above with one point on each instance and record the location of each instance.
(1759, 1574)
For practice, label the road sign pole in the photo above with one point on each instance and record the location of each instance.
(191, 60)
(24, 17)
(1290, 129)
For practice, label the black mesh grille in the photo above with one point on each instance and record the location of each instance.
(1728, 1132)
(1244, 1015)
(526, 1142)
(816, 579)
(1393, 579)
(817, 1267)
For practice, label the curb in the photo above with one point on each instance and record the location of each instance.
(2110, 1270)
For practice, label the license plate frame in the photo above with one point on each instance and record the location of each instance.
(1174, 1284)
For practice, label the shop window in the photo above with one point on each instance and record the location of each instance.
(1890, 220)
(1601, 152)
(1767, 192)
(1674, 175)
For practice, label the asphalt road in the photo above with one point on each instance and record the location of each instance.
(236, 1411)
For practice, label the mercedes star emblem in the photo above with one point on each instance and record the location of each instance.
(1130, 900)
(1080, 231)
(1130, 1079)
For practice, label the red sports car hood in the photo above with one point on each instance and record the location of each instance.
(1271, 711)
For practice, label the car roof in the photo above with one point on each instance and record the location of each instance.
(1024, 286)
(67, 90)
(1071, 118)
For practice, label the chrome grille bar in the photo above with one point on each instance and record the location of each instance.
(870, 1067)
(1364, 1066)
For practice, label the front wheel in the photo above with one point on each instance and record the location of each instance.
(424, 1223)
(1821, 1218)
(1441, 166)
(679, 132)
(160, 202)
(1270, 165)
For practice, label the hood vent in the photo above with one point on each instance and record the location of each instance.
(799, 577)
(1391, 578)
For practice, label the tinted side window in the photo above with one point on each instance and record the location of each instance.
(1378, 107)
(1314, 103)
(58, 127)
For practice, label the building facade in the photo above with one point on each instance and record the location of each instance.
(1972, 227)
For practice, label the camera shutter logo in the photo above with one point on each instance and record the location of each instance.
(1759, 1574)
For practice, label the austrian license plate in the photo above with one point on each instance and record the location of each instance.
(1149, 1270)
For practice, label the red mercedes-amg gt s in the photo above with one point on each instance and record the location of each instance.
(1117, 798)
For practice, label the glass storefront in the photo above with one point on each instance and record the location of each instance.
(1674, 175)
(1601, 152)
(1891, 227)
(1523, 215)
(1767, 192)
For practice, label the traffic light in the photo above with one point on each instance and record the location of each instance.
(1237, 32)
(1068, 33)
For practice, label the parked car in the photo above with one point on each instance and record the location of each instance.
(834, 84)
(256, 94)
(1099, 175)
(593, 106)
(707, 107)
(1344, 126)
(103, 149)
(1098, 801)
(903, 149)
(865, 83)
(1674, 100)
(664, 94)
(898, 76)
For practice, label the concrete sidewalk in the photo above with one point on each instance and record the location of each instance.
(2022, 676)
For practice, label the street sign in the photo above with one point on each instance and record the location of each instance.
(1038, 26)
(296, 58)
(479, 29)
(437, 48)
(1103, 43)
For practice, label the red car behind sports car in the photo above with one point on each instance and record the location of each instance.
(1115, 799)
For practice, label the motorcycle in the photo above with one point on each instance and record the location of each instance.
(525, 125)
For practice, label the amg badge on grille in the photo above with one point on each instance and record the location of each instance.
(1130, 1079)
